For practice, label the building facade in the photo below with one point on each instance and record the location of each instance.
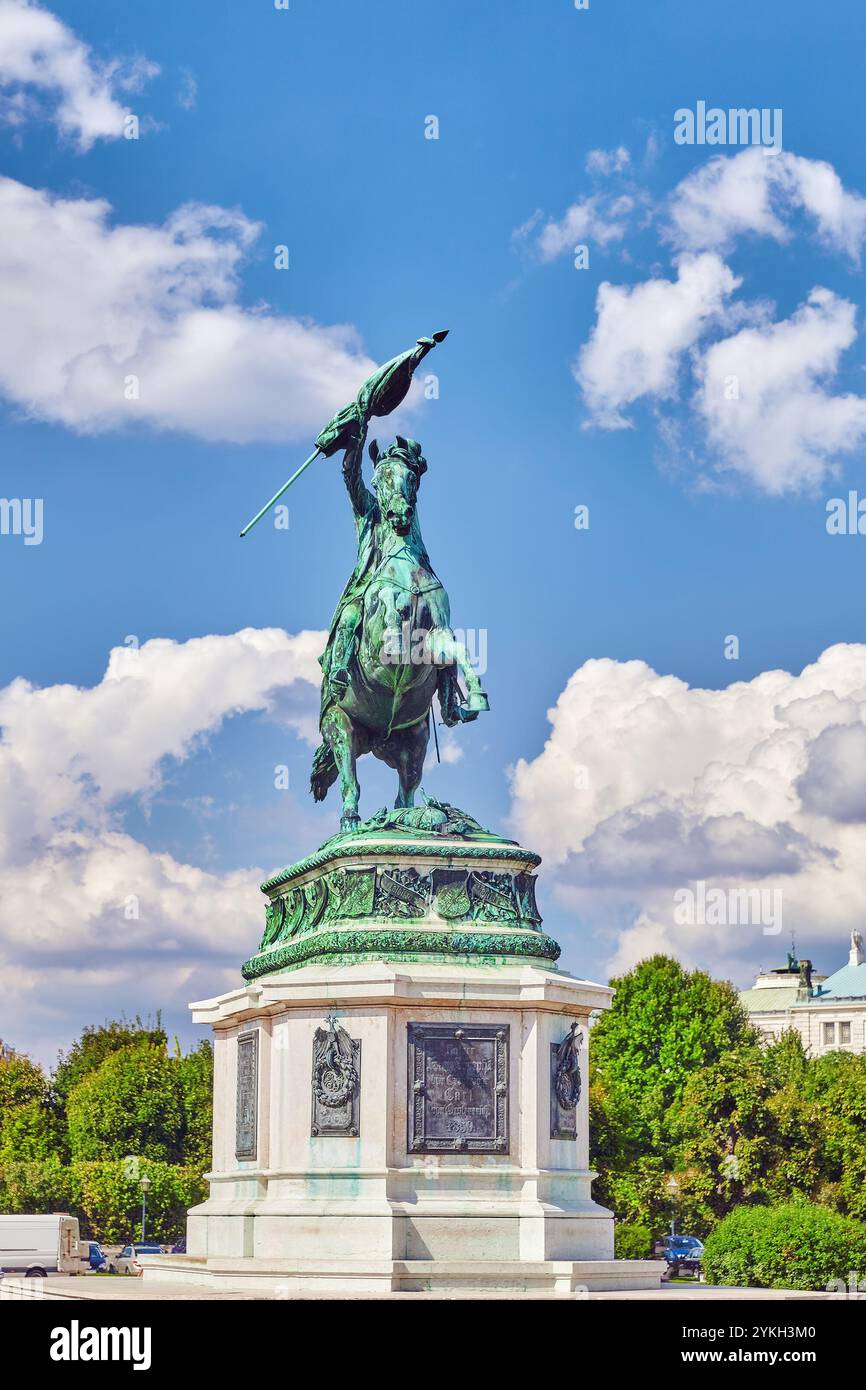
(828, 1011)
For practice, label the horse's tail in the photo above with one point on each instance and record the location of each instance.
(324, 772)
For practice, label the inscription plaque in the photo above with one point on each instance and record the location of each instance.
(565, 1085)
(246, 1121)
(336, 1082)
(458, 1088)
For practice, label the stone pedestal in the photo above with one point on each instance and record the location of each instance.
(417, 1122)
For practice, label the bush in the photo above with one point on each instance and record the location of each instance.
(105, 1196)
(632, 1241)
(794, 1246)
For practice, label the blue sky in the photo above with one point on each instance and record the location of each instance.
(310, 124)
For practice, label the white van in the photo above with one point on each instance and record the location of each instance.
(40, 1245)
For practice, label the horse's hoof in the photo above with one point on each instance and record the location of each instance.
(478, 701)
(348, 824)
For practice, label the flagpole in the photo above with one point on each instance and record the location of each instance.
(277, 495)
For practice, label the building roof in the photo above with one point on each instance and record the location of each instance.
(756, 1001)
(847, 983)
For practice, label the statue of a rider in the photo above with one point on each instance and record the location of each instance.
(391, 647)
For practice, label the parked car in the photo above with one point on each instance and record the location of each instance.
(93, 1257)
(683, 1255)
(39, 1245)
(127, 1262)
(179, 1247)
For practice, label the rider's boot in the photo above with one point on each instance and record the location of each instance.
(338, 676)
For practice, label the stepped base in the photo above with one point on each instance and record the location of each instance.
(284, 1279)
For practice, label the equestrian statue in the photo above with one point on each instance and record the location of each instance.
(390, 648)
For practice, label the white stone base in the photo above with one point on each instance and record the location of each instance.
(364, 1213)
(284, 1279)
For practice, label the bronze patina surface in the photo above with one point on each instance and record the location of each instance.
(417, 882)
(421, 883)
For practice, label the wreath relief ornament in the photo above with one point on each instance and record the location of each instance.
(335, 1076)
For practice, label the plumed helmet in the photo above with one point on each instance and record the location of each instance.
(407, 451)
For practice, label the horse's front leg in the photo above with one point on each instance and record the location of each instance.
(476, 696)
(342, 740)
(410, 750)
(445, 650)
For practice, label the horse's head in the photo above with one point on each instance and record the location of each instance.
(396, 476)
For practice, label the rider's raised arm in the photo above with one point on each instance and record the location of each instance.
(360, 495)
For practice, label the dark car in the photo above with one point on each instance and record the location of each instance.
(96, 1258)
(179, 1247)
(683, 1255)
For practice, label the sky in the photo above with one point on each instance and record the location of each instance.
(650, 408)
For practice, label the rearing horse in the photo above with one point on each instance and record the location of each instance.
(390, 647)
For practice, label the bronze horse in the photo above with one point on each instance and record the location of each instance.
(390, 647)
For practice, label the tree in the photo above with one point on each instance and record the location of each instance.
(664, 1024)
(131, 1105)
(20, 1081)
(28, 1126)
(835, 1090)
(95, 1044)
(196, 1082)
(734, 1139)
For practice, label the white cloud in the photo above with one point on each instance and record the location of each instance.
(762, 396)
(762, 787)
(606, 162)
(834, 781)
(86, 304)
(756, 193)
(642, 331)
(68, 754)
(81, 896)
(41, 59)
(591, 220)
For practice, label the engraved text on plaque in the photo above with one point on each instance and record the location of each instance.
(458, 1088)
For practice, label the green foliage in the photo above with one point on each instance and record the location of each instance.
(131, 1104)
(665, 1023)
(120, 1107)
(30, 1130)
(38, 1187)
(95, 1044)
(105, 1196)
(681, 1086)
(196, 1083)
(20, 1081)
(632, 1241)
(834, 1089)
(794, 1246)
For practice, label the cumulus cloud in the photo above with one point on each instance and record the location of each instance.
(756, 193)
(80, 894)
(605, 162)
(595, 219)
(46, 70)
(763, 396)
(104, 324)
(834, 781)
(763, 787)
(642, 331)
